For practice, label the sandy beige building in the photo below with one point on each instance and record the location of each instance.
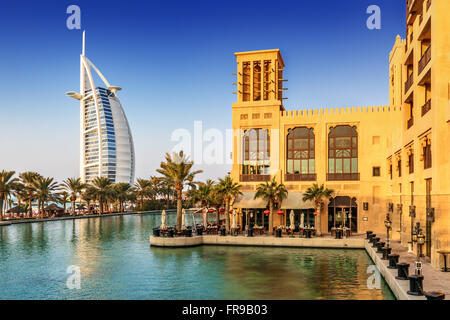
(376, 158)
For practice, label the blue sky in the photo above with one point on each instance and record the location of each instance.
(174, 61)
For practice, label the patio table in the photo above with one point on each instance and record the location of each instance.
(444, 254)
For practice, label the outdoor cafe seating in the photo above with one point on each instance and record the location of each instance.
(335, 230)
(212, 229)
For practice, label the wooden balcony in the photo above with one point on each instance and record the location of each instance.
(300, 177)
(426, 58)
(410, 122)
(342, 176)
(409, 82)
(426, 107)
(254, 177)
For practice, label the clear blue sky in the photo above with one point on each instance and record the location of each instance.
(174, 61)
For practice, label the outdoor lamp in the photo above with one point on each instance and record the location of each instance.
(420, 239)
(387, 224)
(414, 236)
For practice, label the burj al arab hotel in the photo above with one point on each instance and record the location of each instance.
(106, 143)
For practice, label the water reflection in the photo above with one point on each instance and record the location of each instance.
(117, 263)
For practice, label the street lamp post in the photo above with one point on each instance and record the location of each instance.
(388, 225)
(416, 280)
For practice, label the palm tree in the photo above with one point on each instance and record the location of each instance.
(203, 193)
(102, 186)
(122, 189)
(228, 190)
(177, 171)
(272, 192)
(89, 195)
(317, 194)
(75, 186)
(63, 199)
(20, 193)
(28, 178)
(45, 189)
(142, 188)
(7, 183)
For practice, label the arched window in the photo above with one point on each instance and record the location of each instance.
(256, 154)
(343, 153)
(300, 155)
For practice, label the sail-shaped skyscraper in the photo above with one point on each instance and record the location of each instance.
(106, 143)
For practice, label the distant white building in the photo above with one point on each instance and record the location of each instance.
(106, 143)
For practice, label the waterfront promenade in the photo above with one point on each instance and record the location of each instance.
(434, 280)
(32, 220)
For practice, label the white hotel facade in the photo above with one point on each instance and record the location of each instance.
(106, 143)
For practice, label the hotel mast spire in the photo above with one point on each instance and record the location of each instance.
(84, 43)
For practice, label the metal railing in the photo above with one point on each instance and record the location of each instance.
(426, 107)
(342, 176)
(254, 177)
(410, 122)
(426, 57)
(300, 177)
(409, 82)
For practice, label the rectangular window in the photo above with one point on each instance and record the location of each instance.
(427, 156)
(411, 163)
(376, 172)
(399, 166)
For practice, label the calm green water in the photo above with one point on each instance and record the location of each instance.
(116, 262)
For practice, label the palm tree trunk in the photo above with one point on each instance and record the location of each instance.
(30, 208)
(1, 207)
(227, 214)
(179, 208)
(271, 217)
(318, 232)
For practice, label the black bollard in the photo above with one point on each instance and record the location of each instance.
(188, 233)
(375, 241)
(368, 233)
(156, 232)
(199, 231)
(434, 295)
(386, 253)
(403, 271)
(393, 260)
(415, 285)
(249, 232)
(372, 237)
(278, 233)
(170, 233)
(380, 246)
(223, 231)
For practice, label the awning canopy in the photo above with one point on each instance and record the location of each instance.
(342, 201)
(53, 207)
(17, 209)
(246, 200)
(294, 200)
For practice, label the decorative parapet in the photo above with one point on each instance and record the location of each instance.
(337, 111)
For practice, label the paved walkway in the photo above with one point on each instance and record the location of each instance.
(434, 280)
